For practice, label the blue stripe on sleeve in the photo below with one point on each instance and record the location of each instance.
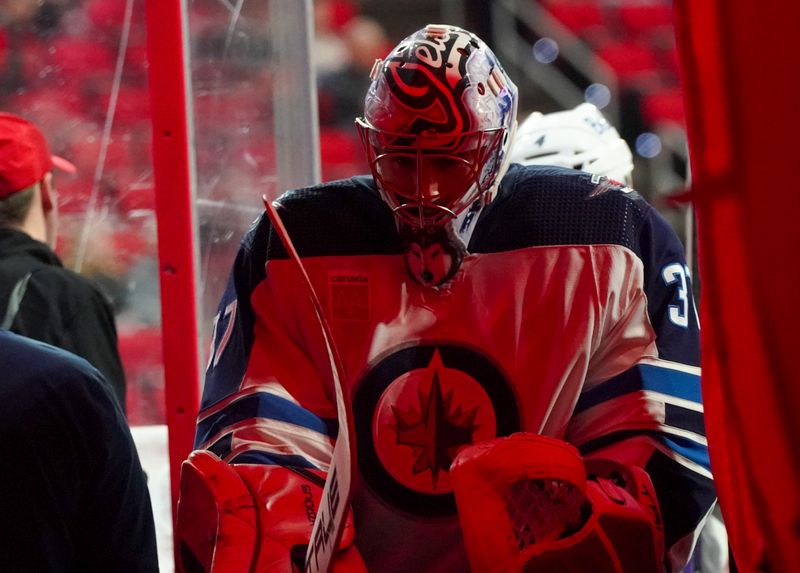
(263, 405)
(643, 377)
(271, 459)
(691, 450)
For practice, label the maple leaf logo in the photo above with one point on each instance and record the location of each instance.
(435, 430)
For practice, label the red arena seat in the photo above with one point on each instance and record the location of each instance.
(664, 106)
(641, 19)
(578, 16)
(631, 61)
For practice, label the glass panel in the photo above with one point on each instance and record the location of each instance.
(255, 126)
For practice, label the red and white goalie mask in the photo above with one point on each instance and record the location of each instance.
(438, 119)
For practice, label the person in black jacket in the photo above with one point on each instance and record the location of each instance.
(39, 298)
(73, 496)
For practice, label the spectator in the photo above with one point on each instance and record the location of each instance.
(330, 52)
(39, 298)
(73, 496)
(342, 90)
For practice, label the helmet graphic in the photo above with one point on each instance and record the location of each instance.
(438, 118)
(580, 138)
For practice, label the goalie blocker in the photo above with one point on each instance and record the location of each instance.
(532, 503)
(249, 518)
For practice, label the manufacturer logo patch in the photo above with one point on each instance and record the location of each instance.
(349, 295)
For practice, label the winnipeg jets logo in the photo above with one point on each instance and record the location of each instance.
(434, 427)
(415, 410)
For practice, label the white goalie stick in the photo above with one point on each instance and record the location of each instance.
(336, 495)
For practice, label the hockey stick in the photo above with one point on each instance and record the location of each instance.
(336, 495)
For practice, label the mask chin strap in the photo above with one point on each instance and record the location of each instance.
(492, 191)
(464, 223)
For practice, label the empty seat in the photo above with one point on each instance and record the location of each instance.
(631, 61)
(578, 17)
(663, 106)
(644, 19)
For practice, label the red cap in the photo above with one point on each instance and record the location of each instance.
(24, 155)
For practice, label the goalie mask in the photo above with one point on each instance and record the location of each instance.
(438, 119)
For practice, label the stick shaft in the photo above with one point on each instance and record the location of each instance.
(337, 493)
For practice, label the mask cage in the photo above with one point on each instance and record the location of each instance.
(429, 179)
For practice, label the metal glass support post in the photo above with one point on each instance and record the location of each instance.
(174, 171)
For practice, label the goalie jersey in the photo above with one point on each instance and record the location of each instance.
(572, 316)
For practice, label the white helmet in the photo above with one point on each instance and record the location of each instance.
(580, 138)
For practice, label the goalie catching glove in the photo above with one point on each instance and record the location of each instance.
(248, 518)
(532, 503)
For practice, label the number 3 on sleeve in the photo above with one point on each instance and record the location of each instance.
(678, 273)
